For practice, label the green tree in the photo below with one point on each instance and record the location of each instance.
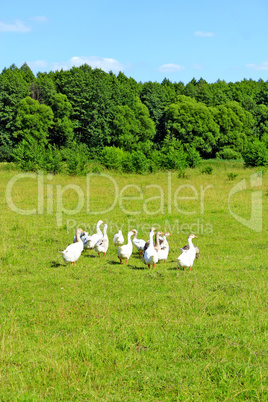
(125, 128)
(173, 155)
(192, 123)
(156, 97)
(262, 96)
(61, 133)
(190, 89)
(90, 94)
(13, 88)
(261, 121)
(245, 117)
(256, 154)
(235, 125)
(43, 88)
(133, 129)
(33, 121)
(230, 128)
(27, 73)
(203, 93)
(145, 124)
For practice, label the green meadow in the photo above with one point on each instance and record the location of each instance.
(103, 331)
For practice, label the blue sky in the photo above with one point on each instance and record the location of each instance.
(148, 40)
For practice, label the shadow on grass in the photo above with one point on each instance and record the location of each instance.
(55, 264)
(137, 256)
(128, 265)
(114, 262)
(137, 268)
(175, 269)
(90, 255)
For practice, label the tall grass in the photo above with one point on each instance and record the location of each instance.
(102, 331)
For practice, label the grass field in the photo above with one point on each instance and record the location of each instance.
(99, 330)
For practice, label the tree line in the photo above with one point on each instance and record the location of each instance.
(67, 119)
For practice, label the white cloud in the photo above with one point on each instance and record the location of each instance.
(38, 65)
(39, 19)
(16, 26)
(258, 67)
(203, 34)
(170, 68)
(106, 64)
(20, 26)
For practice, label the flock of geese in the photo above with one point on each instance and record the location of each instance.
(154, 250)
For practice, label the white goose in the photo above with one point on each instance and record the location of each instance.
(138, 243)
(92, 240)
(74, 250)
(118, 238)
(102, 245)
(186, 259)
(83, 236)
(124, 252)
(197, 251)
(156, 243)
(164, 248)
(150, 254)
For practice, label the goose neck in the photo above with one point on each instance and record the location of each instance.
(190, 242)
(157, 239)
(77, 235)
(129, 236)
(104, 230)
(151, 239)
